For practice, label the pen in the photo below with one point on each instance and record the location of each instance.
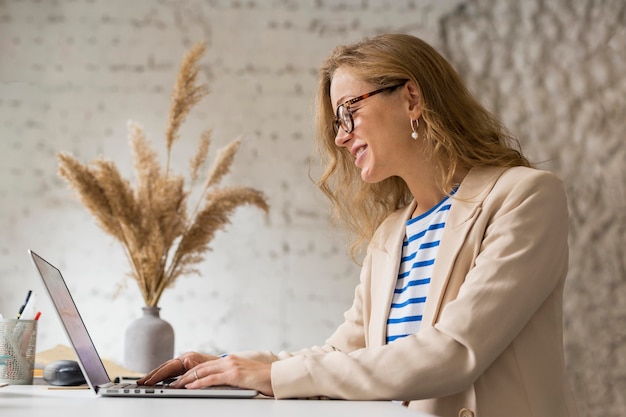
(37, 315)
(30, 309)
(28, 294)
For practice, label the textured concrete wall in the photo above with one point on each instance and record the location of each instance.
(73, 72)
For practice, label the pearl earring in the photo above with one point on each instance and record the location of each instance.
(414, 134)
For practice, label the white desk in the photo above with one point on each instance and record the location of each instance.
(38, 400)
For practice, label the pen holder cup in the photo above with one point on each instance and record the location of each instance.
(18, 342)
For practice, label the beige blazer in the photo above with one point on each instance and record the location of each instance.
(491, 338)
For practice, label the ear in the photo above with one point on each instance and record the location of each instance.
(414, 99)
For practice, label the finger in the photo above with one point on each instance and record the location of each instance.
(187, 377)
(150, 375)
(202, 376)
(194, 374)
(174, 367)
(168, 369)
(192, 369)
(214, 372)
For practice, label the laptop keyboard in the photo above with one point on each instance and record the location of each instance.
(130, 388)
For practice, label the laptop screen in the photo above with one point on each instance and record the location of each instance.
(90, 363)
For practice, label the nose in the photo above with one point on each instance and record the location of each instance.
(342, 138)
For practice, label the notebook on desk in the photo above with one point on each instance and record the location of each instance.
(90, 363)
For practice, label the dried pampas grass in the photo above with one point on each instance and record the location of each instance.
(162, 241)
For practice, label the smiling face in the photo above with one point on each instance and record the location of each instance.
(381, 139)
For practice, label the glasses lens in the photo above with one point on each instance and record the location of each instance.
(336, 125)
(346, 118)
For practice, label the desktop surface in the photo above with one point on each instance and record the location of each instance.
(40, 400)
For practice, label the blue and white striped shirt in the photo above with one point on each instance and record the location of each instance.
(419, 251)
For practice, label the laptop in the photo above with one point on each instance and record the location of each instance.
(90, 363)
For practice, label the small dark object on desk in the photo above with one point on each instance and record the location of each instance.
(63, 373)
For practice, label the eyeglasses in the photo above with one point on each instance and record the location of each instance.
(343, 117)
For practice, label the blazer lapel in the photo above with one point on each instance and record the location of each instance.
(385, 265)
(386, 255)
(465, 208)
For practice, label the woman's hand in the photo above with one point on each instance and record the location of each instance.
(174, 367)
(228, 370)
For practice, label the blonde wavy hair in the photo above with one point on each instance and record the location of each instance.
(459, 132)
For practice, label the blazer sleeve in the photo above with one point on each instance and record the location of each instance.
(521, 256)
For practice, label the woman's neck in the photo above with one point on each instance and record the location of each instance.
(427, 192)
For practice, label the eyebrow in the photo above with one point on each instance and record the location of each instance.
(343, 100)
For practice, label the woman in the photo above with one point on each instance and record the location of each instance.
(459, 306)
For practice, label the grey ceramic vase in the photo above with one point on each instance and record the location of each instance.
(148, 342)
